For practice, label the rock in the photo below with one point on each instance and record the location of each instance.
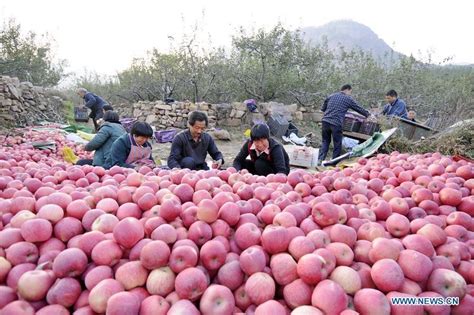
(239, 114)
(150, 118)
(230, 122)
(292, 108)
(7, 102)
(239, 106)
(298, 115)
(137, 113)
(163, 106)
(314, 117)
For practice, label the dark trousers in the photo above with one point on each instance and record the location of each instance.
(336, 133)
(84, 162)
(188, 162)
(259, 167)
(95, 115)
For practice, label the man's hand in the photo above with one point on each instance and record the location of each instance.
(217, 164)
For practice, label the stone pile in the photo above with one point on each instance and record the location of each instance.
(23, 104)
(174, 115)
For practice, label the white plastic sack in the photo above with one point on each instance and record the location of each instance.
(75, 138)
(349, 143)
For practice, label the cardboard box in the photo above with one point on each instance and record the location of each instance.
(302, 156)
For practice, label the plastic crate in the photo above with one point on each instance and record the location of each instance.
(352, 122)
(80, 114)
(164, 136)
(278, 125)
(127, 123)
(368, 128)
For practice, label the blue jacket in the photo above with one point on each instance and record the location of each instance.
(121, 150)
(93, 101)
(398, 108)
(103, 140)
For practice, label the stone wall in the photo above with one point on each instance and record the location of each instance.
(23, 104)
(175, 115)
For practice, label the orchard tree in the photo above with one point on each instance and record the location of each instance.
(27, 58)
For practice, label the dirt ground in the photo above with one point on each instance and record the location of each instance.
(230, 148)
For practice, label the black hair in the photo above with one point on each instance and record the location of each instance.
(108, 107)
(259, 131)
(392, 93)
(111, 116)
(141, 128)
(346, 87)
(197, 116)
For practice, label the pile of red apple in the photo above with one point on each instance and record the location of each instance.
(20, 148)
(85, 240)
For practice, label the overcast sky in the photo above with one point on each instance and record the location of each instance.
(103, 36)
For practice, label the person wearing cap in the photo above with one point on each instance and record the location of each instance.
(133, 150)
(190, 147)
(95, 104)
(102, 142)
(267, 156)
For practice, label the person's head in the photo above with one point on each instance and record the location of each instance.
(411, 114)
(141, 132)
(111, 116)
(107, 108)
(260, 136)
(81, 92)
(197, 123)
(346, 89)
(391, 96)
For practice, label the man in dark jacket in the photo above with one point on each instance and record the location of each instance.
(191, 146)
(335, 108)
(95, 104)
(267, 156)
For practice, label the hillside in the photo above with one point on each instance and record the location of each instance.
(350, 35)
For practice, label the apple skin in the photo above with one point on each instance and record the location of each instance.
(329, 297)
(217, 299)
(387, 275)
(368, 301)
(447, 283)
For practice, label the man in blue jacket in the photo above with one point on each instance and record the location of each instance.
(395, 106)
(95, 104)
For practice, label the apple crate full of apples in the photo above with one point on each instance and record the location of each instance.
(85, 240)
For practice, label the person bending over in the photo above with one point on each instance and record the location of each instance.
(102, 142)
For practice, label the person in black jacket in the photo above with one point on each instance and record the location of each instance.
(95, 104)
(267, 156)
(133, 150)
(191, 146)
